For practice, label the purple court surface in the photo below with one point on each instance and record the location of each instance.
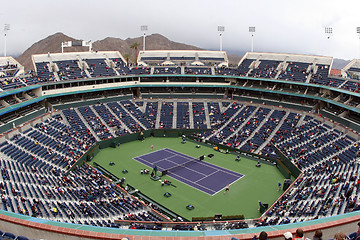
(203, 176)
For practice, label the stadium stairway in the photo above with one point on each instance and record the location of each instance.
(308, 78)
(227, 122)
(64, 119)
(182, 70)
(301, 121)
(334, 154)
(34, 189)
(58, 127)
(59, 141)
(174, 120)
(242, 125)
(222, 107)
(83, 65)
(132, 116)
(54, 72)
(344, 83)
(328, 143)
(141, 108)
(86, 124)
(102, 121)
(207, 117)
(31, 137)
(310, 139)
(113, 68)
(296, 135)
(34, 154)
(257, 129)
(191, 115)
(110, 64)
(158, 115)
(117, 117)
(272, 133)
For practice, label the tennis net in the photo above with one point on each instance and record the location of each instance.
(182, 165)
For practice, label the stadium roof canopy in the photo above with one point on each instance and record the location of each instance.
(285, 57)
(37, 58)
(352, 68)
(9, 66)
(182, 57)
(50, 58)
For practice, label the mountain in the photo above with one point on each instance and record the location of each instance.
(52, 44)
(339, 63)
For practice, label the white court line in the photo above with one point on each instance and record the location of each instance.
(206, 176)
(194, 183)
(230, 184)
(150, 153)
(193, 170)
(151, 163)
(184, 179)
(189, 157)
(212, 166)
(206, 164)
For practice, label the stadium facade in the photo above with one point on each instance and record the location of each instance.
(52, 117)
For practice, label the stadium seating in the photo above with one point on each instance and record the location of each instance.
(295, 71)
(96, 124)
(69, 69)
(125, 117)
(99, 68)
(33, 161)
(183, 118)
(166, 115)
(266, 69)
(198, 70)
(167, 70)
(199, 115)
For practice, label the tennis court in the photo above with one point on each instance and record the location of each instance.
(203, 176)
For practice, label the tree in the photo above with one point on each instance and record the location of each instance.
(135, 46)
(127, 58)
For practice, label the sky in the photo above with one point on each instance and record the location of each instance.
(284, 26)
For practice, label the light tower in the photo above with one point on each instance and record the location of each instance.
(358, 33)
(328, 33)
(252, 33)
(221, 30)
(144, 29)
(6, 29)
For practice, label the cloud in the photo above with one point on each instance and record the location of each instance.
(292, 26)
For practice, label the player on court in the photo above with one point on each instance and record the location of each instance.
(227, 188)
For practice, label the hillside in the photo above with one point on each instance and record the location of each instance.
(52, 44)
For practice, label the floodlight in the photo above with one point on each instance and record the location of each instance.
(144, 29)
(252, 32)
(328, 30)
(6, 29)
(221, 29)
